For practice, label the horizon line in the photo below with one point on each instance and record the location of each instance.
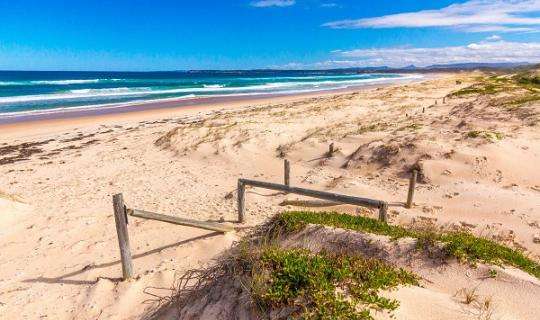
(407, 67)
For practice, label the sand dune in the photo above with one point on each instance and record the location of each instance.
(477, 158)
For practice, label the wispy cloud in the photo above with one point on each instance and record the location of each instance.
(329, 5)
(491, 50)
(272, 3)
(471, 16)
(495, 28)
(494, 38)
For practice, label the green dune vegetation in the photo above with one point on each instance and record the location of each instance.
(323, 285)
(526, 83)
(284, 282)
(461, 245)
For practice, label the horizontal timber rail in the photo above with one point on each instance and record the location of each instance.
(358, 201)
(121, 213)
(213, 226)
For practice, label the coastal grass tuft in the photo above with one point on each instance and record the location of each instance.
(502, 83)
(415, 126)
(324, 285)
(521, 100)
(488, 135)
(291, 221)
(529, 80)
(462, 245)
(477, 89)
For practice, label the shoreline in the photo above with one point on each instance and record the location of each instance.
(58, 178)
(179, 107)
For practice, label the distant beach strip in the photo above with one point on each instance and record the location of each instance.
(34, 94)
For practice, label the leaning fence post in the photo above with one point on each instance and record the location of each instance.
(383, 212)
(287, 172)
(123, 237)
(412, 185)
(241, 200)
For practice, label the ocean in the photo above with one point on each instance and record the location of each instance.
(43, 92)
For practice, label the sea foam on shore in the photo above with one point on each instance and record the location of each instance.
(23, 93)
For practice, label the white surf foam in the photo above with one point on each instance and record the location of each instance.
(55, 82)
(209, 90)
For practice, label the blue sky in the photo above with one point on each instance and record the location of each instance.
(176, 35)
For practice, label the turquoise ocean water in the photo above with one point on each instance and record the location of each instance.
(38, 92)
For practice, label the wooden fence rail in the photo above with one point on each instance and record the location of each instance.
(120, 217)
(121, 211)
(206, 225)
(364, 202)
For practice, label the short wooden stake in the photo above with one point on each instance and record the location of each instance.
(123, 237)
(241, 201)
(331, 149)
(444, 100)
(383, 212)
(412, 186)
(286, 173)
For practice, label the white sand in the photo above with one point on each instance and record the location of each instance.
(58, 246)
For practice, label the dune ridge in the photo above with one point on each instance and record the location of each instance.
(477, 154)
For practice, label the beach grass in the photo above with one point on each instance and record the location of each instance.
(489, 85)
(461, 245)
(477, 89)
(488, 135)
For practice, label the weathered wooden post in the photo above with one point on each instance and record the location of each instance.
(123, 236)
(412, 186)
(287, 173)
(444, 100)
(241, 201)
(383, 212)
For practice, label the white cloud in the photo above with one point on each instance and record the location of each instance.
(329, 5)
(272, 3)
(471, 16)
(494, 28)
(493, 51)
(494, 38)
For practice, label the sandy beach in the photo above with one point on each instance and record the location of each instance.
(59, 257)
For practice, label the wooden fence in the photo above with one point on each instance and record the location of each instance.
(121, 212)
(334, 197)
(345, 199)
